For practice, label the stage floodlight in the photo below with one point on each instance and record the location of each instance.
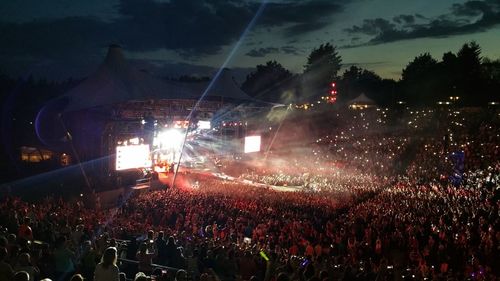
(252, 144)
(171, 138)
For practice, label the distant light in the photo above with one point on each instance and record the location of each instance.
(333, 85)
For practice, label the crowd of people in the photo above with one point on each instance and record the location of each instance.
(354, 216)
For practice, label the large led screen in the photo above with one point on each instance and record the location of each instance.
(252, 144)
(132, 156)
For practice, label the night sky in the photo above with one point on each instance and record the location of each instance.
(56, 39)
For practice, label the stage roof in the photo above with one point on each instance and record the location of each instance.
(115, 81)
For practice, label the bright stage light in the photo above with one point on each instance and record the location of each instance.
(181, 124)
(252, 144)
(172, 138)
(132, 156)
(204, 125)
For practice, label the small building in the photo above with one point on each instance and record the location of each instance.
(361, 102)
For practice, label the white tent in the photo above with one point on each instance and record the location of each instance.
(115, 82)
(361, 102)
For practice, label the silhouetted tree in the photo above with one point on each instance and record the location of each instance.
(447, 75)
(348, 84)
(491, 70)
(322, 67)
(263, 82)
(356, 81)
(418, 80)
(471, 80)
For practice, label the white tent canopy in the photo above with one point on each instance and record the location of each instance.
(362, 100)
(115, 81)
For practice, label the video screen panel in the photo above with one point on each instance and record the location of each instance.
(252, 144)
(132, 157)
(204, 125)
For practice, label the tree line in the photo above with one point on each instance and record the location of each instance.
(475, 80)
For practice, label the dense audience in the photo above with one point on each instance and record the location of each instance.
(353, 215)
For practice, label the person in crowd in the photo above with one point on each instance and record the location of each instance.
(21, 276)
(77, 277)
(25, 231)
(88, 260)
(140, 276)
(181, 275)
(63, 259)
(6, 271)
(107, 270)
(24, 264)
(145, 257)
(161, 248)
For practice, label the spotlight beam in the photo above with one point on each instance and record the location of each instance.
(216, 77)
(276, 134)
(75, 153)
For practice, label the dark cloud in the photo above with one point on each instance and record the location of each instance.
(469, 17)
(471, 8)
(262, 52)
(191, 28)
(301, 17)
(253, 43)
(29, 10)
(61, 37)
(291, 50)
(300, 12)
(299, 29)
(372, 27)
(419, 16)
(404, 19)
